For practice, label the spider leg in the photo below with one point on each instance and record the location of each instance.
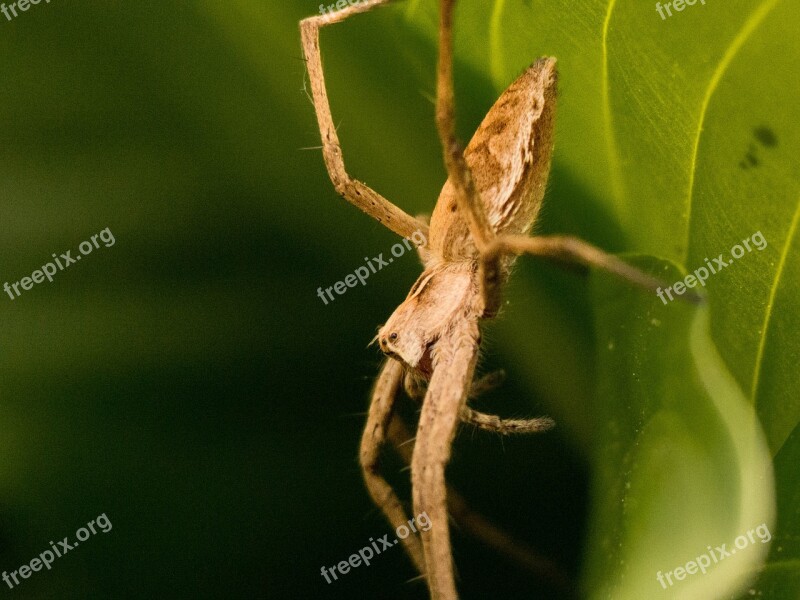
(416, 391)
(455, 358)
(380, 414)
(557, 247)
(479, 527)
(487, 383)
(354, 191)
(495, 424)
(416, 387)
(467, 195)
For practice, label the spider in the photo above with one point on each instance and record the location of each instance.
(479, 226)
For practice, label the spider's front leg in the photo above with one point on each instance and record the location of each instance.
(454, 366)
(478, 526)
(555, 247)
(375, 433)
(354, 191)
(459, 173)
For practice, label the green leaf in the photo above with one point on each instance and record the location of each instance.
(781, 577)
(682, 131)
(681, 462)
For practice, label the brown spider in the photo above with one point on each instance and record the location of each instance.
(479, 226)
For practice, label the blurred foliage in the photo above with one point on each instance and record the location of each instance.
(189, 383)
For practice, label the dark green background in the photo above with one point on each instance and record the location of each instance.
(187, 381)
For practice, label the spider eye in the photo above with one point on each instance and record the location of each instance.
(393, 337)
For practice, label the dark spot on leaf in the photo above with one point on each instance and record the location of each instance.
(749, 161)
(766, 136)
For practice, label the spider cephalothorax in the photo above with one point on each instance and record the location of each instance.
(443, 296)
(479, 225)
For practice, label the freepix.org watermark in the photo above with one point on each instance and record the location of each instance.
(59, 263)
(714, 556)
(375, 264)
(46, 558)
(22, 5)
(678, 5)
(365, 554)
(701, 274)
(339, 5)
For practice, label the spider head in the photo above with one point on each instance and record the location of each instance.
(440, 296)
(409, 347)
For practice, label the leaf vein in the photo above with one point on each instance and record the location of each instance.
(762, 342)
(749, 26)
(617, 186)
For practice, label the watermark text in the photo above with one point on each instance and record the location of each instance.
(59, 263)
(714, 556)
(362, 273)
(701, 274)
(46, 558)
(365, 555)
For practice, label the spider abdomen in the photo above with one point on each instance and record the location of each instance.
(509, 157)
